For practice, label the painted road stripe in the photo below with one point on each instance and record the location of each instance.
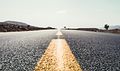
(59, 33)
(58, 57)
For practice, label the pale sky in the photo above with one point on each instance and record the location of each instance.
(59, 13)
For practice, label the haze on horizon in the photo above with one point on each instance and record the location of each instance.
(59, 13)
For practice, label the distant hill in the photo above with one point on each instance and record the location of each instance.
(85, 29)
(115, 27)
(16, 23)
(112, 29)
(9, 26)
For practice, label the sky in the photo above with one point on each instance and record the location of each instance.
(60, 13)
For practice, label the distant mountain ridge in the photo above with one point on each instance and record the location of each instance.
(115, 27)
(16, 23)
(9, 26)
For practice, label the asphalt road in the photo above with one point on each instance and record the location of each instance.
(58, 57)
(95, 51)
(20, 51)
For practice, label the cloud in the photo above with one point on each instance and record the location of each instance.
(61, 12)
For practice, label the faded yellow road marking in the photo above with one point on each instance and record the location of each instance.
(59, 54)
(48, 60)
(59, 33)
(58, 57)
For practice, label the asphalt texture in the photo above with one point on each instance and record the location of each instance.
(20, 51)
(95, 51)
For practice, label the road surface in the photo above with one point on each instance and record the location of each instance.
(95, 51)
(58, 57)
(48, 51)
(20, 51)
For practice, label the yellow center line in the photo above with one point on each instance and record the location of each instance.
(59, 54)
(58, 57)
(59, 33)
